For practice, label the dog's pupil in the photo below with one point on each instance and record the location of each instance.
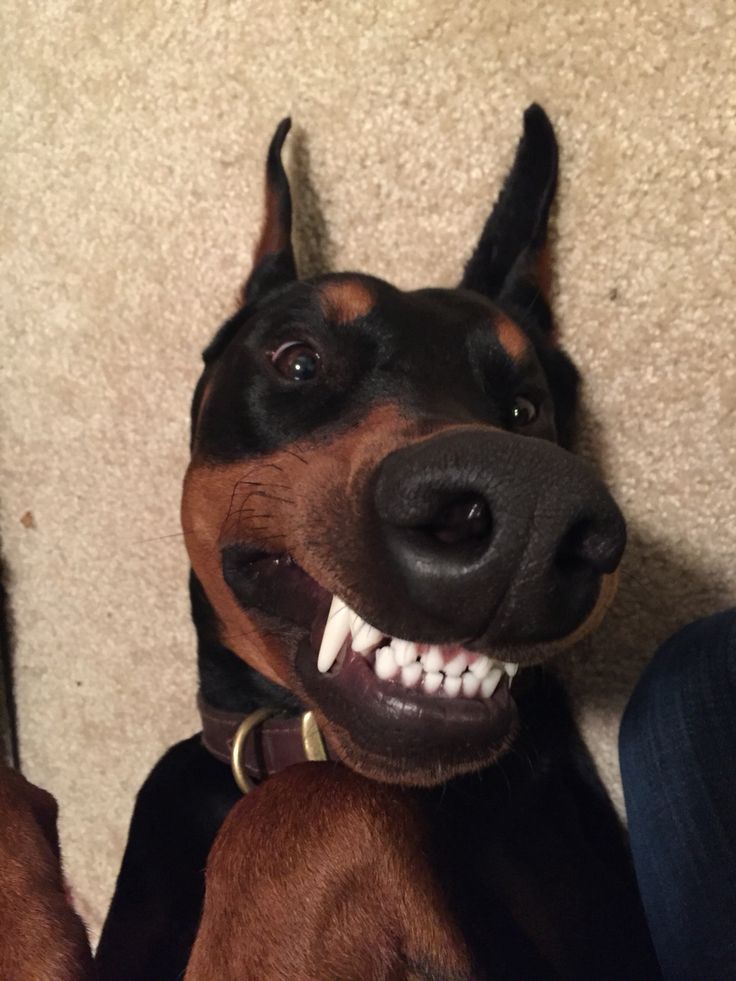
(300, 363)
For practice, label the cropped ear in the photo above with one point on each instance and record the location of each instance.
(273, 258)
(510, 263)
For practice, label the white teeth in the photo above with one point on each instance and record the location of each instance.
(455, 667)
(366, 638)
(453, 686)
(471, 685)
(433, 681)
(490, 682)
(386, 667)
(400, 660)
(356, 623)
(336, 631)
(406, 652)
(480, 666)
(433, 660)
(411, 674)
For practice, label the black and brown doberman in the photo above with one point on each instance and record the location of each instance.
(388, 539)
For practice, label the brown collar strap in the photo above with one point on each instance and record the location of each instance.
(259, 744)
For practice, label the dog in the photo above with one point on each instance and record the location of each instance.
(389, 539)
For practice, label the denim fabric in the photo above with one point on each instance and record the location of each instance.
(678, 763)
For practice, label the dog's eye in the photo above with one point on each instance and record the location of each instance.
(524, 411)
(296, 361)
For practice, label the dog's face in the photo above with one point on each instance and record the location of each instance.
(378, 508)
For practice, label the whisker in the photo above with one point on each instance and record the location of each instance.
(159, 538)
(296, 455)
(260, 483)
(270, 497)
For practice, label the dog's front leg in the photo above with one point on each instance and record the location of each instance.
(321, 874)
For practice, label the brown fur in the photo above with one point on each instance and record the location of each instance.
(336, 889)
(346, 300)
(41, 937)
(274, 236)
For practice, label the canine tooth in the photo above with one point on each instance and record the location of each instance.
(432, 659)
(511, 668)
(480, 666)
(453, 685)
(490, 682)
(471, 685)
(405, 650)
(456, 666)
(433, 681)
(337, 629)
(366, 638)
(386, 667)
(411, 674)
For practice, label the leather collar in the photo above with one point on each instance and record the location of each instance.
(256, 747)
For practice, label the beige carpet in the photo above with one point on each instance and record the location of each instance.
(133, 137)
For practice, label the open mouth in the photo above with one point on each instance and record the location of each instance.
(404, 703)
(433, 670)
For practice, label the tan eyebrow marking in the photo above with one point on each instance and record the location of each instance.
(512, 338)
(345, 301)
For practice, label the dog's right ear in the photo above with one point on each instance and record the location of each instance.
(273, 259)
(510, 262)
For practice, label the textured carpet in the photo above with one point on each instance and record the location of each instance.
(133, 141)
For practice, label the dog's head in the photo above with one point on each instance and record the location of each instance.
(379, 509)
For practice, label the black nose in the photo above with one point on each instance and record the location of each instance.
(497, 534)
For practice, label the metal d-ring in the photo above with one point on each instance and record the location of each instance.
(237, 761)
(314, 747)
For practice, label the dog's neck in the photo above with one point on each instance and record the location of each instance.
(226, 681)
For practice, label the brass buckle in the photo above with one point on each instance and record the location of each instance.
(314, 747)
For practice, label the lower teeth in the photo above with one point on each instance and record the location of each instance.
(467, 684)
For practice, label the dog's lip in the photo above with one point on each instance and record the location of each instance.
(384, 718)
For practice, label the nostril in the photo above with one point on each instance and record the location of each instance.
(464, 520)
(591, 544)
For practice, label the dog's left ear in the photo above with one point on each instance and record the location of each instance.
(510, 264)
(273, 259)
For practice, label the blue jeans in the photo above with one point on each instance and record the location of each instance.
(678, 762)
